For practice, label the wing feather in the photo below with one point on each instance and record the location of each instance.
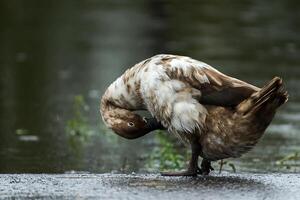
(216, 87)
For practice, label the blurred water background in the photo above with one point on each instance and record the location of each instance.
(57, 58)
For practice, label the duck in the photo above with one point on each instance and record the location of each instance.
(217, 115)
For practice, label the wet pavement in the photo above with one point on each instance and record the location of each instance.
(151, 186)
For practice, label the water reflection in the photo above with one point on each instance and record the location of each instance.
(51, 51)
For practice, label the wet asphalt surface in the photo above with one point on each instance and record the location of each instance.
(150, 186)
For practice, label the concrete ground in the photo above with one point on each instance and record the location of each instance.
(150, 186)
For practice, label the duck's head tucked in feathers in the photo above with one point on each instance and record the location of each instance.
(125, 123)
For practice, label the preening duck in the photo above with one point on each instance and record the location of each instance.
(218, 115)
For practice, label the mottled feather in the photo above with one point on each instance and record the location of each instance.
(173, 89)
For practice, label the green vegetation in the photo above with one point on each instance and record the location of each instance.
(80, 131)
(223, 163)
(289, 161)
(78, 125)
(165, 156)
(22, 131)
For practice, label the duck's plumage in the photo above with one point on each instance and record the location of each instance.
(220, 116)
(231, 132)
(173, 89)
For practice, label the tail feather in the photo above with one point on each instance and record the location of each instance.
(269, 98)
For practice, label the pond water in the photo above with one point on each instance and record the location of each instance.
(55, 54)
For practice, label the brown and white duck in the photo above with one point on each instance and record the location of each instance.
(218, 115)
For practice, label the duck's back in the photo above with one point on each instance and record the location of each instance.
(173, 88)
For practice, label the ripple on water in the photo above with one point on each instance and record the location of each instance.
(294, 117)
(284, 129)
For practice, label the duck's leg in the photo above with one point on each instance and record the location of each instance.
(193, 168)
(206, 167)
